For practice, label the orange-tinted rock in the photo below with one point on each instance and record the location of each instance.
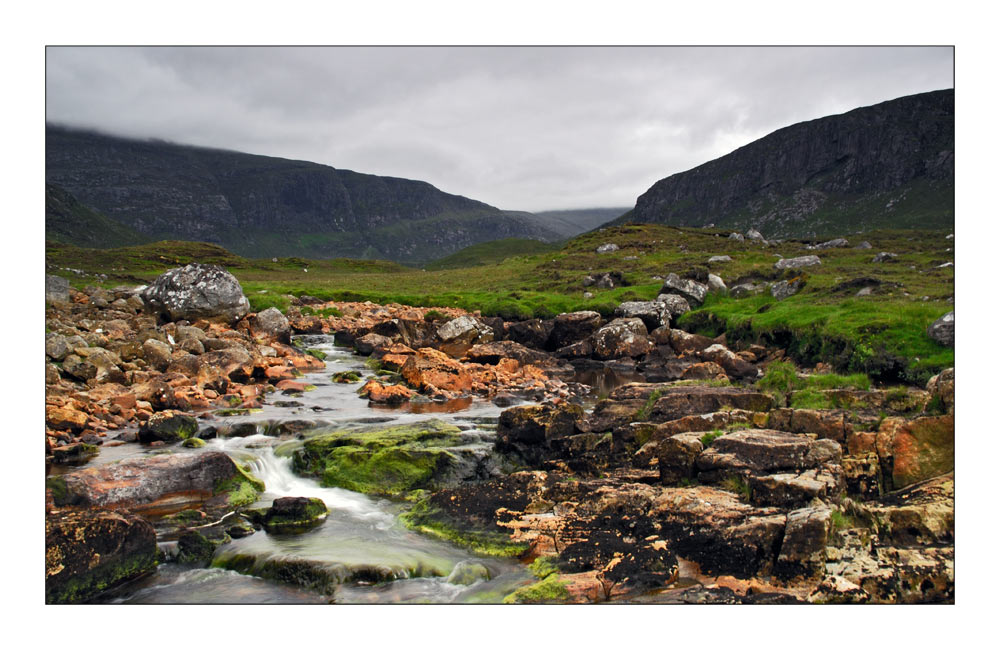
(288, 384)
(66, 419)
(432, 369)
(917, 449)
(279, 373)
(386, 394)
(705, 370)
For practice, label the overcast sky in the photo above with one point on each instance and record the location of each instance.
(519, 128)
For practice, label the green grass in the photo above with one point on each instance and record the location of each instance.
(708, 438)
(738, 485)
(881, 335)
(490, 253)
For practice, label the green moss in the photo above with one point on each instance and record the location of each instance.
(346, 377)
(551, 589)
(305, 518)
(193, 443)
(60, 492)
(543, 567)
(85, 586)
(811, 398)
(391, 461)
(708, 438)
(243, 488)
(319, 354)
(738, 485)
(643, 413)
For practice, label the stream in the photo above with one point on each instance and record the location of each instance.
(362, 543)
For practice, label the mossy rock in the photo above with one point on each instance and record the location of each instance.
(195, 548)
(392, 461)
(550, 590)
(467, 573)
(346, 377)
(291, 515)
(319, 354)
(425, 518)
(168, 427)
(193, 443)
(243, 488)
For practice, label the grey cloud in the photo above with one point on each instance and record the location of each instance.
(519, 128)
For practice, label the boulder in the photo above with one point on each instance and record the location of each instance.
(607, 248)
(676, 456)
(288, 515)
(89, 552)
(465, 329)
(919, 514)
(56, 347)
(803, 547)
(754, 235)
(718, 259)
(693, 292)
(681, 401)
(380, 393)
(166, 483)
(676, 305)
(430, 370)
(797, 262)
(943, 330)
(270, 324)
(684, 343)
(790, 490)
(532, 333)
(765, 451)
(745, 289)
(492, 353)
(56, 289)
(839, 242)
(884, 257)
(168, 426)
(787, 288)
(622, 337)
(366, 344)
(942, 387)
(157, 354)
(735, 236)
(573, 327)
(652, 313)
(833, 425)
(65, 418)
(197, 291)
(914, 450)
(735, 367)
(716, 284)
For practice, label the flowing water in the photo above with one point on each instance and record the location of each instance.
(362, 552)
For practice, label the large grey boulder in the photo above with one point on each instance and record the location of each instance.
(716, 284)
(651, 312)
(573, 327)
(56, 289)
(465, 329)
(839, 242)
(197, 291)
(693, 292)
(675, 304)
(943, 329)
(785, 288)
(719, 259)
(622, 337)
(884, 257)
(797, 262)
(271, 323)
(607, 248)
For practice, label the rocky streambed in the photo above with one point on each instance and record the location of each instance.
(351, 452)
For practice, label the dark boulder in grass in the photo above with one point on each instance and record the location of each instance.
(693, 292)
(89, 552)
(197, 291)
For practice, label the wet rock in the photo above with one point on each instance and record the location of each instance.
(719, 532)
(430, 370)
(527, 430)
(379, 393)
(622, 337)
(468, 572)
(652, 313)
(766, 451)
(797, 262)
(168, 426)
(391, 461)
(914, 450)
(196, 549)
(676, 456)
(197, 291)
(290, 515)
(492, 353)
(56, 289)
(74, 453)
(693, 292)
(792, 490)
(65, 419)
(366, 344)
(270, 324)
(465, 329)
(943, 330)
(573, 327)
(166, 483)
(89, 552)
(803, 547)
(676, 305)
(532, 333)
(787, 288)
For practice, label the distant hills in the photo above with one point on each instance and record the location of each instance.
(891, 165)
(258, 206)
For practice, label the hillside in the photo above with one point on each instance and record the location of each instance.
(570, 223)
(259, 206)
(490, 253)
(70, 222)
(890, 165)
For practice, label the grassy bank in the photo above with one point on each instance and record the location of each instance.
(882, 334)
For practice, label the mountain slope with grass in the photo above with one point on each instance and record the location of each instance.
(260, 206)
(70, 222)
(891, 165)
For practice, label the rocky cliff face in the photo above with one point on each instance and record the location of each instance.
(888, 165)
(261, 206)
